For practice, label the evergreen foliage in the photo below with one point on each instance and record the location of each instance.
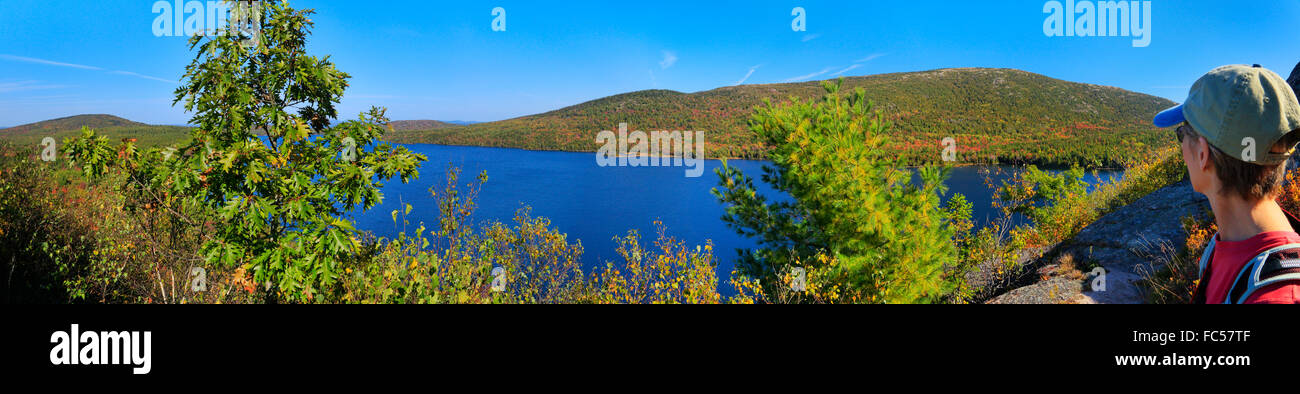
(859, 226)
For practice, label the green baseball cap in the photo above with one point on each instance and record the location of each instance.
(1233, 103)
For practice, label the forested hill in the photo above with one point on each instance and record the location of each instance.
(109, 125)
(408, 125)
(994, 115)
(72, 122)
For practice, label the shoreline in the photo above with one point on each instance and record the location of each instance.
(912, 166)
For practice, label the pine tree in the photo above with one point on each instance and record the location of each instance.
(858, 224)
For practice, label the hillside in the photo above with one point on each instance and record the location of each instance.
(73, 122)
(411, 125)
(995, 115)
(108, 125)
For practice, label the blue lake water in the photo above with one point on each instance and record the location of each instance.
(595, 204)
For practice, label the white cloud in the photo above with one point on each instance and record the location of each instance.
(810, 37)
(128, 73)
(747, 75)
(850, 68)
(809, 76)
(670, 59)
(873, 56)
(47, 62)
(80, 66)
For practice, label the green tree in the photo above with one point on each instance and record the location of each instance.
(265, 159)
(1039, 194)
(858, 224)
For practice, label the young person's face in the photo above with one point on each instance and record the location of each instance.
(1196, 155)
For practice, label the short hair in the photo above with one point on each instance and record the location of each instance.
(1251, 181)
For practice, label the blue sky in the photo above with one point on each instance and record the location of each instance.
(441, 59)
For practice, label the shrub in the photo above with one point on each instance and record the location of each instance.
(1054, 202)
(1059, 205)
(66, 240)
(277, 182)
(670, 273)
(858, 225)
(1176, 281)
(525, 263)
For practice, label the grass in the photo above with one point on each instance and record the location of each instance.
(1175, 282)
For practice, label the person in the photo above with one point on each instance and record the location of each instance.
(1237, 128)
(1294, 79)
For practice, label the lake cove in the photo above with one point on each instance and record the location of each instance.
(594, 204)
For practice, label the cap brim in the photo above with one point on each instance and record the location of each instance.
(1170, 117)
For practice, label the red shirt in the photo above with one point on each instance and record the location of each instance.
(1230, 257)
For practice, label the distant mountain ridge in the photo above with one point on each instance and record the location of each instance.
(95, 121)
(408, 125)
(994, 115)
(425, 124)
(116, 127)
(113, 127)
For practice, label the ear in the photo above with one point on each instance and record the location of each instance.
(1202, 154)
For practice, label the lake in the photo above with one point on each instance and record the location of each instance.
(595, 204)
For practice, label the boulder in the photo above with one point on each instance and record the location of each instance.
(1124, 243)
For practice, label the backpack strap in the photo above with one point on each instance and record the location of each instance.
(1207, 255)
(1262, 275)
(1279, 264)
(1203, 285)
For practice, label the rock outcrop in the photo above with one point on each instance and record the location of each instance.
(1123, 243)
